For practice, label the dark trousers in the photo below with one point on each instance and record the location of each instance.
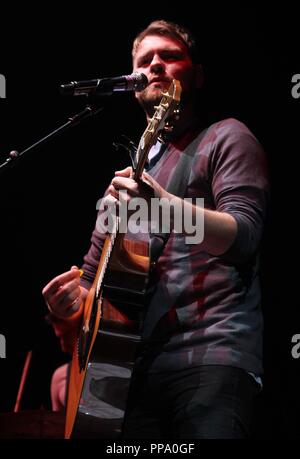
(209, 401)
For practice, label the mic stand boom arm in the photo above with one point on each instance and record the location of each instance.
(14, 155)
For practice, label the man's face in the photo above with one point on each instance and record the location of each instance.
(163, 59)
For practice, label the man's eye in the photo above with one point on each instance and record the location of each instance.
(143, 62)
(173, 57)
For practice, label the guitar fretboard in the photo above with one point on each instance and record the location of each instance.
(110, 246)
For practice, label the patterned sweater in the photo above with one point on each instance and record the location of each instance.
(205, 309)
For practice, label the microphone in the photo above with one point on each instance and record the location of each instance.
(105, 86)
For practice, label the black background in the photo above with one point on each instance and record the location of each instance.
(48, 200)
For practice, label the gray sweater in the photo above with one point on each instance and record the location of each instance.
(206, 309)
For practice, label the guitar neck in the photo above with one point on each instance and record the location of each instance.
(143, 151)
(156, 125)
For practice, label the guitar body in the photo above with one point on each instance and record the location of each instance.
(98, 388)
(108, 339)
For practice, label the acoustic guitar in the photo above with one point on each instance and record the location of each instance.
(104, 356)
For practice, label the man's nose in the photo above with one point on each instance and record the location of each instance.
(157, 65)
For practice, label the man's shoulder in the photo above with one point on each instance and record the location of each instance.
(222, 134)
(230, 125)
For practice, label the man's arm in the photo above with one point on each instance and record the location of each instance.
(220, 228)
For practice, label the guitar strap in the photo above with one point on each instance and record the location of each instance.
(177, 186)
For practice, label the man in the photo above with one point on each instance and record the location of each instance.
(198, 369)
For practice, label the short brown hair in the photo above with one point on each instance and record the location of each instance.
(169, 29)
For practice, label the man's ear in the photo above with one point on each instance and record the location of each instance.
(199, 76)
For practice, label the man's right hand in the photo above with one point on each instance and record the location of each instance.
(64, 295)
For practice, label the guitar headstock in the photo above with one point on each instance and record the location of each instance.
(163, 112)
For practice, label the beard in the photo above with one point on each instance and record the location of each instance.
(150, 98)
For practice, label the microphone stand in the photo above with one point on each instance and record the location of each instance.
(89, 110)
